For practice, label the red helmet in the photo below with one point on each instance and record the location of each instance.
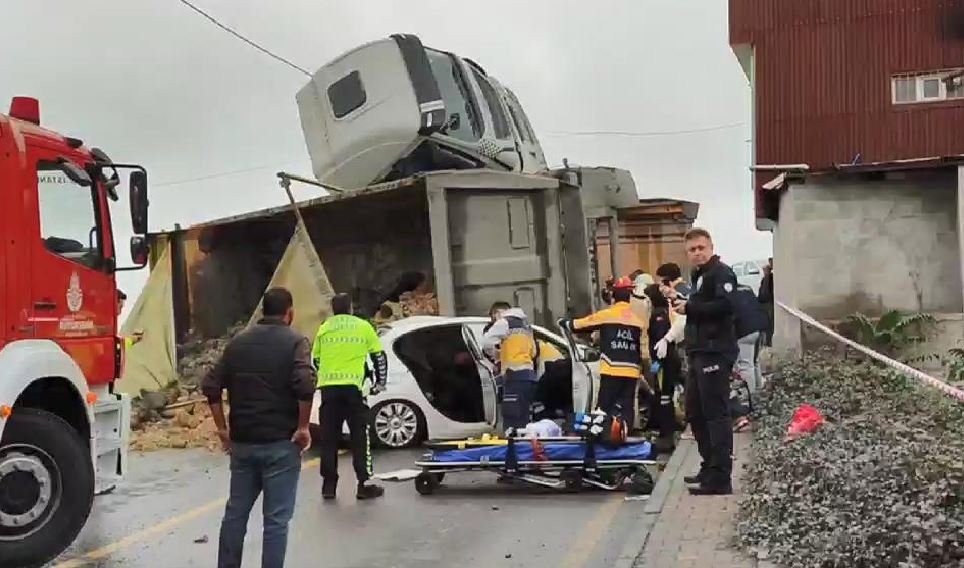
(623, 283)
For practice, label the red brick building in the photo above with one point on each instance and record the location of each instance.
(858, 113)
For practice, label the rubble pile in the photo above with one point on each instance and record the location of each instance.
(191, 427)
(409, 304)
(415, 304)
(880, 484)
(197, 356)
(169, 418)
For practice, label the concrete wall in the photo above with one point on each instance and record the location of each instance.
(845, 244)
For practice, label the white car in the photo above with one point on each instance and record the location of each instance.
(440, 386)
(749, 273)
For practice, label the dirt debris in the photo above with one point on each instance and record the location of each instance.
(155, 425)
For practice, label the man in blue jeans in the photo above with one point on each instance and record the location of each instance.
(267, 373)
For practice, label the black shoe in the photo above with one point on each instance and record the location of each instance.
(367, 491)
(694, 479)
(704, 489)
(328, 489)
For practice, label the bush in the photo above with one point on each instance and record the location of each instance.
(880, 484)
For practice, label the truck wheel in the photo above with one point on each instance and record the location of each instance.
(46, 487)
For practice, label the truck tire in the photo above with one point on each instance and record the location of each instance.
(46, 487)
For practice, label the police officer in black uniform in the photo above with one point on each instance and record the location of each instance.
(711, 348)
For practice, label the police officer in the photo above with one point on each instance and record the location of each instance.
(340, 352)
(510, 340)
(621, 336)
(711, 349)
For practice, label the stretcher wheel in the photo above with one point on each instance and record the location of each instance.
(641, 483)
(572, 480)
(426, 483)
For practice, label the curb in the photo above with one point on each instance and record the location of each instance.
(639, 533)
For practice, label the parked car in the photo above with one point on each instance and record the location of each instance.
(749, 273)
(441, 386)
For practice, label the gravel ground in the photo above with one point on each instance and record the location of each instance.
(881, 484)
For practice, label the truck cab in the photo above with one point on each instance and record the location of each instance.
(392, 108)
(63, 432)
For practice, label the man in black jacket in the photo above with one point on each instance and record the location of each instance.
(270, 382)
(711, 347)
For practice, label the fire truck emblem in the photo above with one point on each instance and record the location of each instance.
(75, 296)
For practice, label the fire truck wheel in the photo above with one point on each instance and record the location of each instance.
(46, 487)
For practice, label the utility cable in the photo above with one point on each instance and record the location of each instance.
(639, 134)
(267, 52)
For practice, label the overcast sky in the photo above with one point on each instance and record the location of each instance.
(152, 82)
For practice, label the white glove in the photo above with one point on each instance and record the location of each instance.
(661, 346)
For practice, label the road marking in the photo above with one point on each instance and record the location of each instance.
(591, 534)
(175, 521)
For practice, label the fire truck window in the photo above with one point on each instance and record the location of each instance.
(68, 221)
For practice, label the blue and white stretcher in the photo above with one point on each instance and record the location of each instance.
(569, 463)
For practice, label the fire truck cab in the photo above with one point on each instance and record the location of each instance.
(63, 431)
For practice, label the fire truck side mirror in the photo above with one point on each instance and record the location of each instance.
(74, 173)
(138, 199)
(139, 250)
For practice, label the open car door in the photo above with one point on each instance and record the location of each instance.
(583, 387)
(486, 375)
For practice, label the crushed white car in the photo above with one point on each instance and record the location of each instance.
(441, 386)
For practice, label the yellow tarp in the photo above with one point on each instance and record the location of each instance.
(301, 272)
(151, 363)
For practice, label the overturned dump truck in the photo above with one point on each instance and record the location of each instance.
(476, 236)
(434, 170)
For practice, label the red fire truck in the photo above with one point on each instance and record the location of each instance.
(63, 431)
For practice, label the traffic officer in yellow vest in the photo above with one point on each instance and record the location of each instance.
(340, 352)
(511, 339)
(621, 337)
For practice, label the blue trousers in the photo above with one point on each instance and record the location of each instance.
(272, 469)
(517, 395)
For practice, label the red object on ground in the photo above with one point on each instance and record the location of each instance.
(805, 420)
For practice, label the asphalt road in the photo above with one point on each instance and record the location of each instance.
(168, 510)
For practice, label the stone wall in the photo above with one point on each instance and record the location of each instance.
(846, 244)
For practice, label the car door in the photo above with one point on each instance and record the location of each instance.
(584, 387)
(486, 375)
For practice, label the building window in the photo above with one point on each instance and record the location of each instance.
(928, 87)
(346, 94)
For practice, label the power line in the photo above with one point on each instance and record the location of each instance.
(214, 21)
(638, 134)
(219, 174)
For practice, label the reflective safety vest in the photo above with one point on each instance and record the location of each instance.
(341, 349)
(518, 349)
(621, 336)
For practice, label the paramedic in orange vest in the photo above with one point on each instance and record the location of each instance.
(621, 337)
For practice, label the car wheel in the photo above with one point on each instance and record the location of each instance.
(397, 424)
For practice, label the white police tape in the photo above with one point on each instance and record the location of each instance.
(949, 390)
